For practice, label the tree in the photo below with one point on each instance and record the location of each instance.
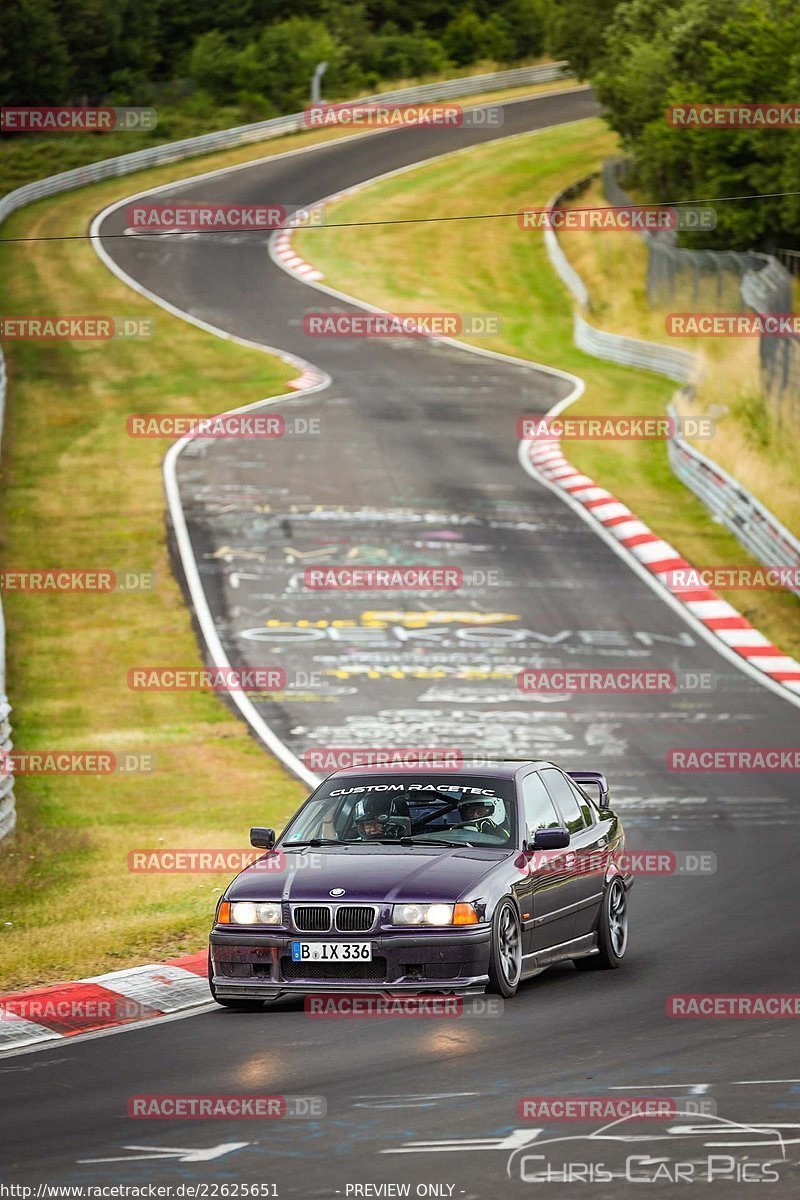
(279, 65)
(34, 64)
(212, 64)
(699, 52)
(465, 38)
(525, 21)
(577, 30)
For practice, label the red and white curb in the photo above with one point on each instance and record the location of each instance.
(282, 246)
(282, 249)
(659, 558)
(309, 378)
(48, 1014)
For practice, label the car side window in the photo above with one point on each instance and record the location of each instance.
(585, 802)
(539, 810)
(566, 800)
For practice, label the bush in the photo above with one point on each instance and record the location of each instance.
(465, 38)
(707, 51)
(254, 107)
(279, 65)
(212, 64)
(409, 55)
(525, 22)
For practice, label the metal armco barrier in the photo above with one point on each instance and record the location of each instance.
(224, 139)
(679, 365)
(753, 524)
(758, 530)
(676, 364)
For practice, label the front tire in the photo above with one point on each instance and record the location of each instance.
(505, 953)
(612, 931)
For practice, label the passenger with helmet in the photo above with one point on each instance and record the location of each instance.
(374, 820)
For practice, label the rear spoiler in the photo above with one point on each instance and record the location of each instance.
(593, 777)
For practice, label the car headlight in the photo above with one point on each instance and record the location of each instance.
(247, 912)
(422, 914)
(434, 914)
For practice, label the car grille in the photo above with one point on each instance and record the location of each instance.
(355, 918)
(374, 971)
(312, 918)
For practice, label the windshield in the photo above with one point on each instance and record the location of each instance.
(474, 811)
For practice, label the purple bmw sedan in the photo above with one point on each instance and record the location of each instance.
(424, 880)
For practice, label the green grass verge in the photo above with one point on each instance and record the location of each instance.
(493, 266)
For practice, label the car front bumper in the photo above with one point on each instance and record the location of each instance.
(258, 965)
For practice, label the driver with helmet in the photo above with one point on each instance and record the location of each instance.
(484, 816)
(477, 814)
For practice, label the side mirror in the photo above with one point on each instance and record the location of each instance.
(264, 839)
(550, 839)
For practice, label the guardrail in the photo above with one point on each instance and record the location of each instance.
(790, 259)
(755, 526)
(223, 139)
(679, 365)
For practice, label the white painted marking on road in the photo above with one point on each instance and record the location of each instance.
(648, 552)
(607, 512)
(512, 1141)
(410, 1101)
(193, 579)
(158, 986)
(745, 1082)
(626, 529)
(742, 637)
(775, 662)
(710, 609)
(181, 1154)
(637, 1087)
(695, 1089)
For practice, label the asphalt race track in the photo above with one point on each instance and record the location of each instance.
(416, 463)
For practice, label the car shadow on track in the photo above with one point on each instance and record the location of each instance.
(561, 976)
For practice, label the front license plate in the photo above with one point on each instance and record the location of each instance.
(331, 952)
